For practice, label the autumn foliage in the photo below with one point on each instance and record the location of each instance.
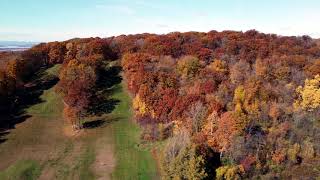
(234, 91)
(229, 105)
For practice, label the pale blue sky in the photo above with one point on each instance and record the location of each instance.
(48, 20)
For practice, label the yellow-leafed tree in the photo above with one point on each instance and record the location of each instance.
(309, 95)
(139, 105)
(188, 66)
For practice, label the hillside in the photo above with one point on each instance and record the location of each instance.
(224, 105)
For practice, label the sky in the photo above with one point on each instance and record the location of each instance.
(56, 20)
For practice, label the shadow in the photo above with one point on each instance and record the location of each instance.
(93, 124)
(106, 86)
(109, 77)
(8, 122)
(212, 162)
(113, 90)
(103, 106)
(30, 94)
(98, 123)
(2, 136)
(25, 97)
(2, 140)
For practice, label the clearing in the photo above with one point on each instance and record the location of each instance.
(41, 146)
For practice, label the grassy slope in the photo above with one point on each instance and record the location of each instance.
(38, 146)
(26, 142)
(132, 162)
(51, 107)
(26, 169)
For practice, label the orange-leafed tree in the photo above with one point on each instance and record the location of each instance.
(225, 130)
(76, 84)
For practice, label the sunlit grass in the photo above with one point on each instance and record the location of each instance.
(41, 141)
(25, 169)
(51, 107)
(132, 163)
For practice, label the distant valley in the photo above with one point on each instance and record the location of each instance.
(15, 45)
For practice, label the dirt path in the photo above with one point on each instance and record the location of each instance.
(105, 160)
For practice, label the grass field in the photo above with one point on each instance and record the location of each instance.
(132, 162)
(40, 148)
(22, 170)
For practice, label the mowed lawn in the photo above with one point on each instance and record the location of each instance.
(132, 162)
(42, 148)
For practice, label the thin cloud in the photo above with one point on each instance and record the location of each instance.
(162, 26)
(123, 9)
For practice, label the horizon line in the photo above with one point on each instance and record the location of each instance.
(154, 33)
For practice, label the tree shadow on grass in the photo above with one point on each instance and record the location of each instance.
(93, 124)
(100, 107)
(25, 97)
(108, 79)
(30, 95)
(107, 84)
(98, 123)
(2, 136)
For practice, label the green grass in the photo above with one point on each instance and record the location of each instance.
(84, 163)
(54, 70)
(132, 162)
(22, 170)
(40, 142)
(51, 107)
(33, 139)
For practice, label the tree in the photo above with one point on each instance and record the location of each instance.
(211, 124)
(56, 53)
(188, 66)
(239, 72)
(180, 159)
(309, 95)
(14, 69)
(7, 90)
(197, 114)
(274, 111)
(226, 129)
(229, 172)
(313, 69)
(189, 165)
(76, 84)
(139, 105)
(239, 100)
(218, 66)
